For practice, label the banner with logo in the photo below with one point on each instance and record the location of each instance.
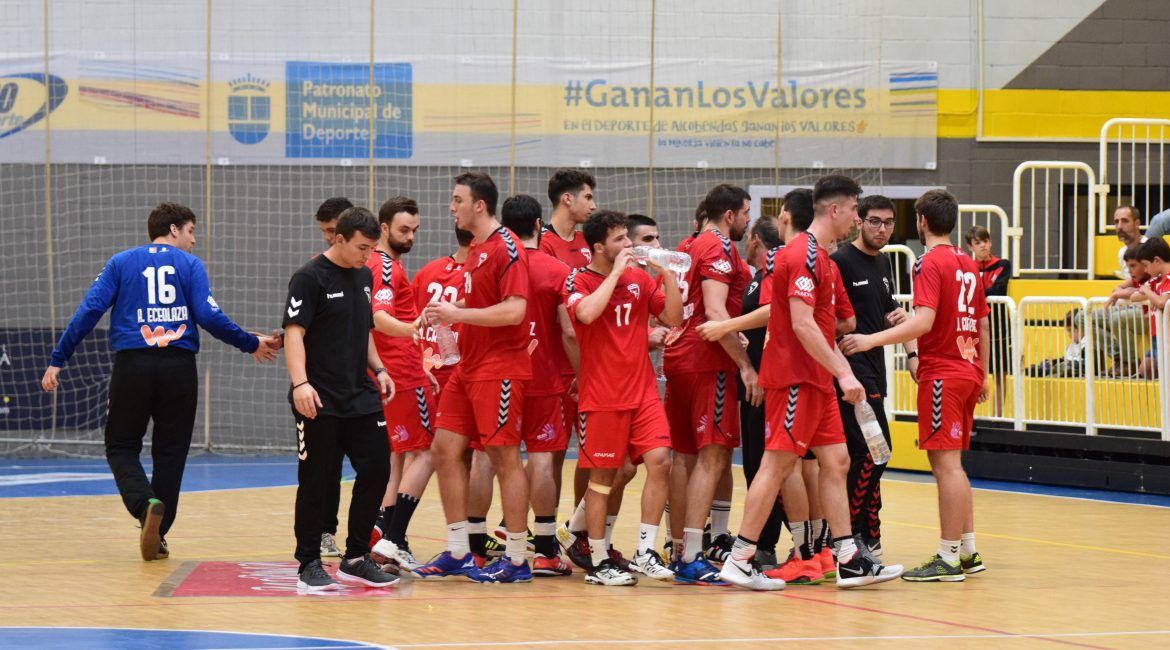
(698, 113)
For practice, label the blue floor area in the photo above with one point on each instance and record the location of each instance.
(89, 477)
(138, 639)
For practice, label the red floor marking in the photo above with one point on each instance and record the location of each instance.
(228, 579)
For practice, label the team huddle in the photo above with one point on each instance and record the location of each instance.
(558, 327)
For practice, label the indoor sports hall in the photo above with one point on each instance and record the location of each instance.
(1049, 122)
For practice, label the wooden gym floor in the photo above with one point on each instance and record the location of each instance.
(1063, 571)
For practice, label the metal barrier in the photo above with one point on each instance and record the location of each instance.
(995, 220)
(1041, 242)
(1044, 329)
(1132, 155)
(902, 260)
(1126, 363)
(1003, 364)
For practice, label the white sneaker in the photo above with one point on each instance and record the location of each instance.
(384, 552)
(405, 559)
(610, 575)
(329, 546)
(650, 564)
(743, 574)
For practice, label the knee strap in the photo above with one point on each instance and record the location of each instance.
(599, 488)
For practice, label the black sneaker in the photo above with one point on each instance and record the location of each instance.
(972, 563)
(314, 578)
(860, 571)
(579, 554)
(767, 560)
(163, 551)
(935, 569)
(149, 538)
(363, 571)
(720, 548)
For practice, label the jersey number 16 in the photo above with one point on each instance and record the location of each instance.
(158, 291)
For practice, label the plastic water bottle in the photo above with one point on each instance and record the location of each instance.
(445, 340)
(879, 449)
(656, 358)
(676, 261)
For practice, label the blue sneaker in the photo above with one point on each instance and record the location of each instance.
(445, 566)
(502, 570)
(698, 572)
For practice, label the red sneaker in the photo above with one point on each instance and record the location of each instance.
(828, 563)
(550, 566)
(799, 572)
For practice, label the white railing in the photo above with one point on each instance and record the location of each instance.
(1070, 362)
(1039, 216)
(902, 260)
(1132, 165)
(994, 219)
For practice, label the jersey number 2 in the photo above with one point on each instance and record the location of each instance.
(158, 291)
(967, 283)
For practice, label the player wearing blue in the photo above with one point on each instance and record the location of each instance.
(156, 295)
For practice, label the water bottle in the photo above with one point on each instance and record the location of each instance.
(879, 449)
(445, 340)
(656, 359)
(676, 261)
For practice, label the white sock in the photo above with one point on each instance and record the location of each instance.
(598, 551)
(692, 544)
(478, 527)
(647, 535)
(544, 528)
(743, 550)
(967, 544)
(515, 546)
(577, 521)
(609, 521)
(948, 550)
(720, 513)
(457, 543)
(800, 536)
(818, 529)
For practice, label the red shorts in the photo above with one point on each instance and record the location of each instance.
(702, 410)
(486, 411)
(946, 413)
(607, 436)
(543, 427)
(801, 417)
(570, 405)
(409, 419)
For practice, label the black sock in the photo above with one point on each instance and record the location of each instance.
(385, 516)
(546, 545)
(400, 520)
(478, 540)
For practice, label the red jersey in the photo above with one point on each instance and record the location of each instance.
(615, 371)
(803, 270)
(392, 293)
(575, 254)
(714, 258)
(546, 280)
(440, 279)
(496, 268)
(843, 308)
(1161, 286)
(947, 281)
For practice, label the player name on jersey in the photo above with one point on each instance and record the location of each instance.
(163, 314)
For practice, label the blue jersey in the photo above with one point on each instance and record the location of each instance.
(158, 293)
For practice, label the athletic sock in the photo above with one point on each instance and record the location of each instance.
(609, 521)
(400, 519)
(948, 550)
(819, 528)
(515, 545)
(846, 549)
(744, 549)
(720, 513)
(647, 535)
(676, 549)
(802, 539)
(692, 544)
(477, 534)
(598, 551)
(457, 540)
(385, 517)
(544, 530)
(967, 544)
(577, 521)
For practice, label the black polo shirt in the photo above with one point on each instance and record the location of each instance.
(333, 305)
(869, 285)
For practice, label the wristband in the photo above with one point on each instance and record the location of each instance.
(912, 355)
(300, 384)
(378, 371)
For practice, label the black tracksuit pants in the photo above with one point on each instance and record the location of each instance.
(864, 480)
(751, 419)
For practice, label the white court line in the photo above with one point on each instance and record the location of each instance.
(901, 637)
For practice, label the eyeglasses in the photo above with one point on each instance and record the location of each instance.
(877, 224)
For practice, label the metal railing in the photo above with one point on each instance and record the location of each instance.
(902, 260)
(1132, 156)
(991, 217)
(1041, 242)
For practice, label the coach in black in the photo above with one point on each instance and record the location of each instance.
(330, 354)
(866, 273)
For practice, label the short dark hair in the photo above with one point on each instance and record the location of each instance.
(521, 215)
(1132, 252)
(941, 210)
(1133, 212)
(639, 220)
(598, 225)
(165, 215)
(1154, 247)
(332, 208)
(834, 186)
(977, 233)
(700, 214)
(875, 202)
(799, 204)
(356, 220)
(394, 205)
(482, 187)
(766, 230)
(568, 180)
(722, 198)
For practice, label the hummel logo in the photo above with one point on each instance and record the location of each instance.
(331, 296)
(294, 302)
